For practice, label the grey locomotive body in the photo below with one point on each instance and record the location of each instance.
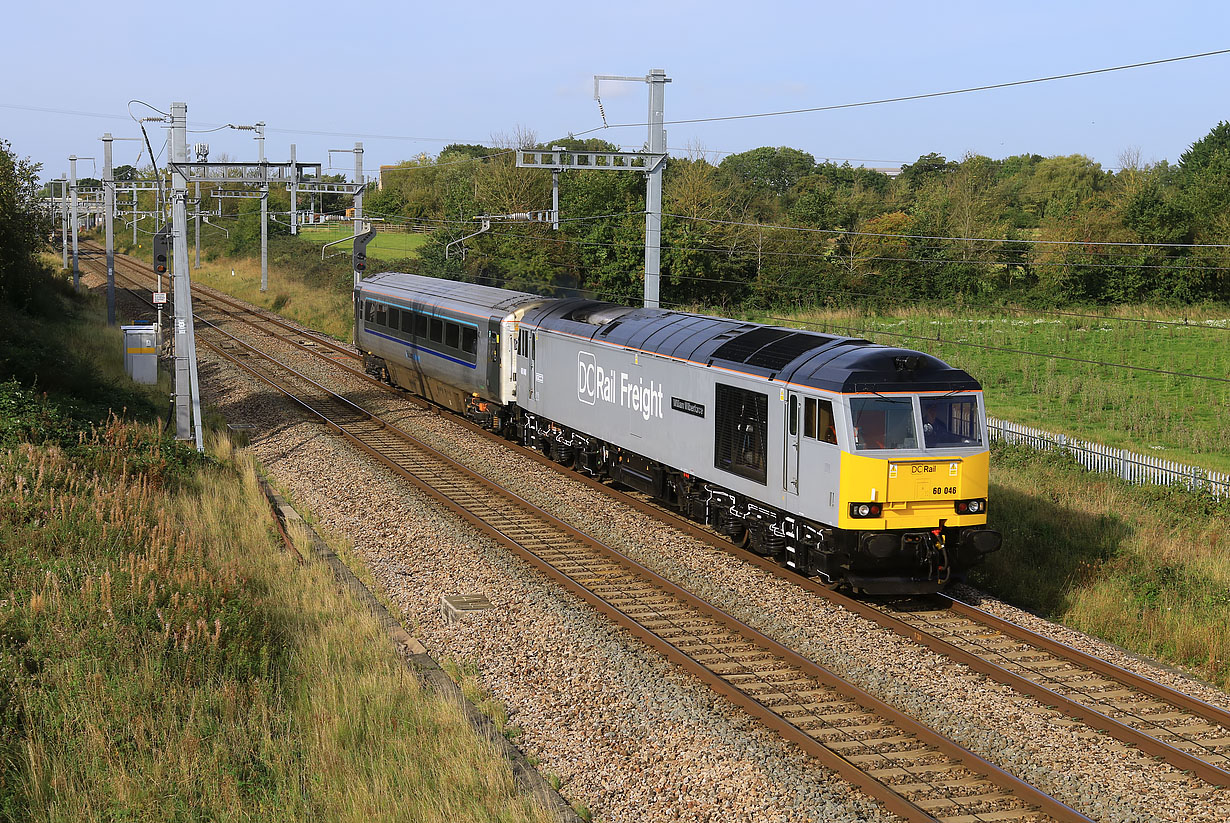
(822, 452)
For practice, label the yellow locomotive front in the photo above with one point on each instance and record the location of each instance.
(913, 490)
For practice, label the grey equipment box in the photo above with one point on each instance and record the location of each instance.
(141, 353)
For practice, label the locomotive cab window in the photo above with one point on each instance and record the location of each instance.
(951, 421)
(883, 423)
(741, 432)
(818, 422)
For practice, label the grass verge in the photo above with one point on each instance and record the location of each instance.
(1145, 567)
(1186, 419)
(161, 658)
(390, 245)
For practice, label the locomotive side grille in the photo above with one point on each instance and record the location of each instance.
(741, 432)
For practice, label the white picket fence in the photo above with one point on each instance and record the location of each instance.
(1132, 467)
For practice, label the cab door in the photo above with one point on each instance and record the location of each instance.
(794, 427)
(526, 363)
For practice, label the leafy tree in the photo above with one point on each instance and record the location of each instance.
(1063, 186)
(924, 169)
(1207, 150)
(768, 170)
(23, 228)
(124, 173)
(703, 261)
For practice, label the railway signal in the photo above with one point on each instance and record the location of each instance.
(162, 242)
(359, 254)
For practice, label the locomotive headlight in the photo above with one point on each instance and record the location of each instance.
(865, 509)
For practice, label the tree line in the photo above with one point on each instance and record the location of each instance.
(772, 227)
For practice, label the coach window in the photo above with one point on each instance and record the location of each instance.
(437, 330)
(420, 325)
(407, 322)
(469, 340)
(382, 314)
(369, 311)
(452, 336)
(394, 318)
(741, 432)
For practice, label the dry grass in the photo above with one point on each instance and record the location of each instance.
(317, 308)
(1146, 568)
(163, 659)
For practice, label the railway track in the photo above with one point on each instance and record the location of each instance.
(915, 772)
(1192, 735)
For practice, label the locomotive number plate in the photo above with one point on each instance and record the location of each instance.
(924, 480)
(927, 491)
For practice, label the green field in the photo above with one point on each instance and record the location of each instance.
(385, 245)
(1018, 357)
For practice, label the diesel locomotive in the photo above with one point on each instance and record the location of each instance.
(860, 464)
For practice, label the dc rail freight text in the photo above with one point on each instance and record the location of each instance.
(860, 464)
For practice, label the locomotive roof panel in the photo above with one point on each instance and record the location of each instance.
(859, 366)
(822, 361)
(484, 299)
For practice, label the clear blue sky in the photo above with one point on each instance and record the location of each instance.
(465, 72)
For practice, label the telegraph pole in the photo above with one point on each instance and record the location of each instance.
(72, 170)
(651, 161)
(294, 194)
(197, 218)
(260, 143)
(187, 390)
(64, 217)
(109, 198)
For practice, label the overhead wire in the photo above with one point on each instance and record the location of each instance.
(924, 96)
(853, 232)
(903, 335)
(856, 293)
(748, 251)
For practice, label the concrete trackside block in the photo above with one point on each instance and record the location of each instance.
(454, 607)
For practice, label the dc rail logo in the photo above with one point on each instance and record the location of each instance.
(591, 380)
(595, 383)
